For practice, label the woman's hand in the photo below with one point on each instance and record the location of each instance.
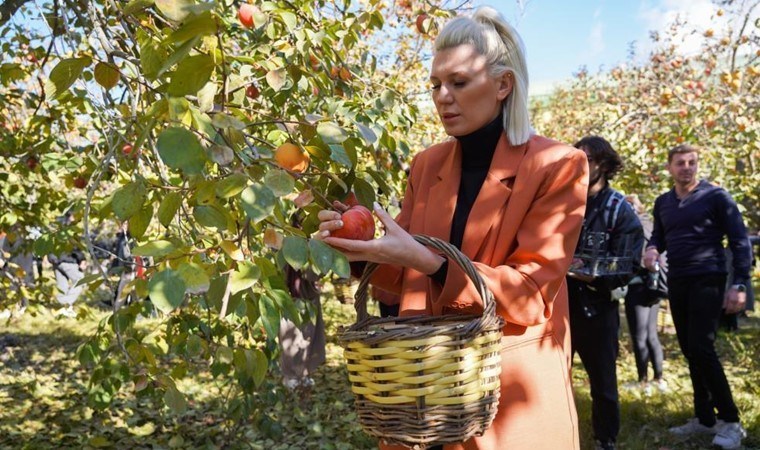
(395, 247)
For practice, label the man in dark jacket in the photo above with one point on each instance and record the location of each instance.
(690, 222)
(610, 238)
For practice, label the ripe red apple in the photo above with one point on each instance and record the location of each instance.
(421, 23)
(31, 162)
(252, 92)
(80, 182)
(358, 224)
(245, 15)
(127, 149)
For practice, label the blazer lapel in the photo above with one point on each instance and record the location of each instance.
(493, 195)
(442, 200)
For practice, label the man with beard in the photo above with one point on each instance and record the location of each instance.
(690, 222)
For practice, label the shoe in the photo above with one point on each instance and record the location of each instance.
(67, 312)
(730, 435)
(661, 385)
(606, 445)
(638, 386)
(291, 383)
(694, 427)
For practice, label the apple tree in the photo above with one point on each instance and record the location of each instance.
(210, 128)
(709, 98)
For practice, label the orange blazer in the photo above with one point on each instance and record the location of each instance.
(521, 234)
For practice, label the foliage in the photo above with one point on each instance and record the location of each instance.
(169, 115)
(709, 99)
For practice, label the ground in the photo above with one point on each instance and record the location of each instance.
(43, 402)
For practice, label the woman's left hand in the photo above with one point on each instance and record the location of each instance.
(395, 247)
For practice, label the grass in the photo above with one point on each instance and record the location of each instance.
(43, 401)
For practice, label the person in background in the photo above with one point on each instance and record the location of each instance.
(69, 269)
(302, 348)
(642, 307)
(613, 227)
(690, 222)
(513, 202)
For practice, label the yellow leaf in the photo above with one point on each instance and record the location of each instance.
(232, 250)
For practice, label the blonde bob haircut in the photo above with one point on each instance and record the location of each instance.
(504, 50)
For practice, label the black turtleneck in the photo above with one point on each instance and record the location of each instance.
(477, 152)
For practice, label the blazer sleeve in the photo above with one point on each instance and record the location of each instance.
(527, 282)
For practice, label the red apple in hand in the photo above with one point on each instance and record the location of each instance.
(245, 14)
(358, 224)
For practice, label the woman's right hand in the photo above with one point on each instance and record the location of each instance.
(395, 247)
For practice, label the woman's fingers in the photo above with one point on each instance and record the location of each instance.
(388, 222)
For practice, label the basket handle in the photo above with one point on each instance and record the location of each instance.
(453, 253)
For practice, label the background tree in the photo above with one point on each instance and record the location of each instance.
(710, 98)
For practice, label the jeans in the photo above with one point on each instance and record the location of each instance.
(642, 323)
(595, 339)
(695, 304)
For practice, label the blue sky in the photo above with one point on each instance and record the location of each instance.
(563, 35)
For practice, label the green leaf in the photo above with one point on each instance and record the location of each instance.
(210, 216)
(136, 6)
(194, 345)
(280, 182)
(196, 279)
(139, 222)
(169, 207)
(331, 133)
(128, 200)
(175, 10)
(244, 276)
(178, 55)
(339, 155)
(107, 74)
(365, 192)
(166, 290)
(152, 56)
(258, 202)
(156, 249)
(200, 25)
(341, 266)
(232, 185)
(295, 249)
(276, 78)
(224, 355)
(368, 135)
(260, 365)
(321, 255)
(180, 149)
(175, 400)
(287, 306)
(270, 316)
(191, 75)
(64, 74)
(289, 19)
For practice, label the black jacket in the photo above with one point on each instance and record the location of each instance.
(626, 226)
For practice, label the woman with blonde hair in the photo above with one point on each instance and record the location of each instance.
(513, 202)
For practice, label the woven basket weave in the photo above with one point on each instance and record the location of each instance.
(425, 380)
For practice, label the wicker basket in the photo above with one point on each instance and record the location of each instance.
(425, 380)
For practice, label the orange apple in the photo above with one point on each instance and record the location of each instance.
(245, 15)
